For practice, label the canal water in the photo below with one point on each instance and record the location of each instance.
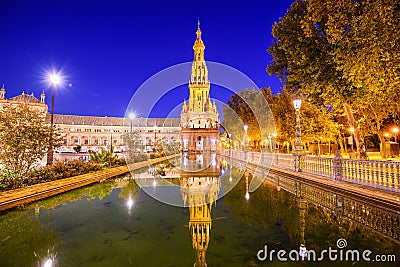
(117, 223)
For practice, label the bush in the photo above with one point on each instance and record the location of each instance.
(10, 179)
(60, 170)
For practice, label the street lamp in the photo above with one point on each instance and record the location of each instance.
(395, 131)
(155, 137)
(111, 146)
(132, 116)
(352, 138)
(54, 79)
(297, 145)
(245, 127)
(230, 144)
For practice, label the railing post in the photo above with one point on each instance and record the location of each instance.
(337, 165)
(297, 162)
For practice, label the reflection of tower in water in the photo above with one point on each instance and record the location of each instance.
(199, 192)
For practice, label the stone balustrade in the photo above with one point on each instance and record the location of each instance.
(374, 173)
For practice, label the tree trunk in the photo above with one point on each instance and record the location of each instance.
(341, 144)
(361, 153)
(382, 148)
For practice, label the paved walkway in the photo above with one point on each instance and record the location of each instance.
(20, 196)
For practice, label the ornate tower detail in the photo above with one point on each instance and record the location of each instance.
(199, 112)
(2, 92)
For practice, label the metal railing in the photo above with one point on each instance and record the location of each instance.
(374, 173)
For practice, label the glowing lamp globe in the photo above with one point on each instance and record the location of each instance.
(297, 103)
(54, 78)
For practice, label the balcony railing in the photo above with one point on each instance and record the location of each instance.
(374, 173)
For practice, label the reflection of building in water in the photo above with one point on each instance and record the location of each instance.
(199, 192)
(199, 117)
(205, 163)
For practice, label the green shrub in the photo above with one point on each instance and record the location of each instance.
(60, 170)
(10, 179)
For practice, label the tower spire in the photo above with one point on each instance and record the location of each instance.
(2, 92)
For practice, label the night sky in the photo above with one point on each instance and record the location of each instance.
(107, 49)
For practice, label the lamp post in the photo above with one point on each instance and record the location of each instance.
(155, 137)
(395, 132)
(54, 79)
(111, 146)
(297, 145)
(352, 138)
(132, 116)
(245, 127)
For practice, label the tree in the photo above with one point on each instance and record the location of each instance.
(104, 157)
(345, 53)
(24, 138)
(316, 122)
(134, 148)
(248, 107)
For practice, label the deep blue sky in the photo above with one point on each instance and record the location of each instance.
(107, 49)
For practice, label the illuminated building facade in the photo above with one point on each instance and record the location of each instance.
(93, 132)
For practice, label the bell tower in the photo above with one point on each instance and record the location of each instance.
(199, 112)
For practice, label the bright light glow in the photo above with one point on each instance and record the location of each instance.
(303, 251)
(395, 130)
(132, 115)
(154, 183)
(54, 78)
(48, 263)
(129, 203)
(274, 134)
(245, 127)
(387, 134)
(247, 196)
(352, 130)
(297, 103)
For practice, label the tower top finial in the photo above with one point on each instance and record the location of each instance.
(198, 23)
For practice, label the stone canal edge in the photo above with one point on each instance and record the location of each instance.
(24, 195)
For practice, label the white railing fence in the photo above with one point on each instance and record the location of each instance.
(374, 173)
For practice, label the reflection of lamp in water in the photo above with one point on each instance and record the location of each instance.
(247, 195)
(129, 203)
(48, 263)
(302, 213)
